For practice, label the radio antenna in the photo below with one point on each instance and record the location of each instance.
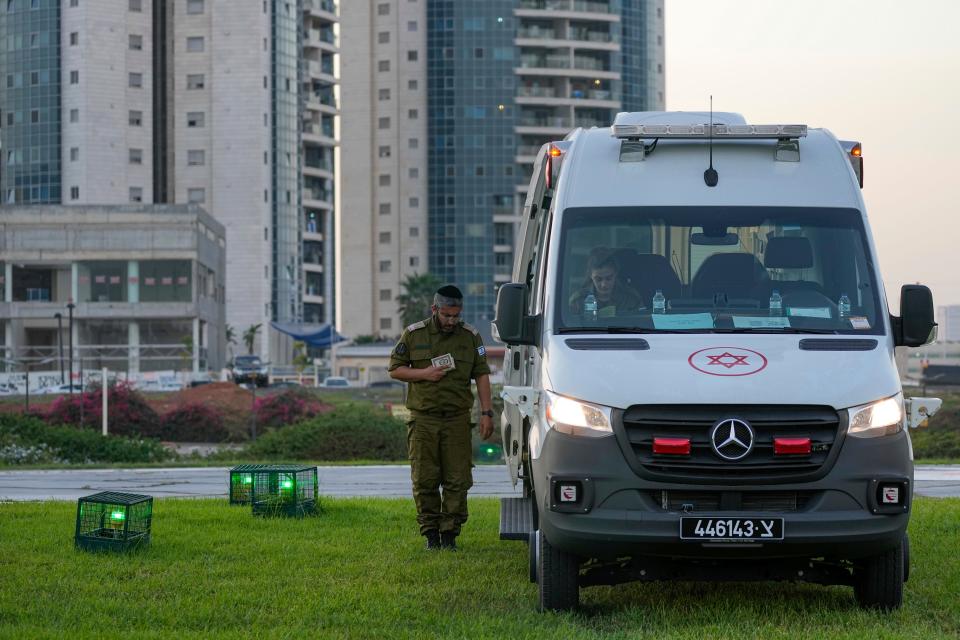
(710, 176)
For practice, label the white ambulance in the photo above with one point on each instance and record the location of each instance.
(700, 382)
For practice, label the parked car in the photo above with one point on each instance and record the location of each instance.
(335, 382)
(247, 369)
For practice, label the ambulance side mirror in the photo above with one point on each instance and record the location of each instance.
(916, 325)
(511, 324)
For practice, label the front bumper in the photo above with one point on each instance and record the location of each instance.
(623, 516)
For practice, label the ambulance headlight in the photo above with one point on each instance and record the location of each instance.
(575, 418)
(881, 418)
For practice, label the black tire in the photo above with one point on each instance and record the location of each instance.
(906, 557)
(878, 581)
(558, 577)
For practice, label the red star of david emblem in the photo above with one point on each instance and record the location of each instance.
(728, 360)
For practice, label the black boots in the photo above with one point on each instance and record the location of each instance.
(448, 540)
(433, 539)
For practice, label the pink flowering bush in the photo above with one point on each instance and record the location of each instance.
(193, 422)
(286, 408)
(129, 413)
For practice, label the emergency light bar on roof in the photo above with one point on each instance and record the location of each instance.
(702, 131)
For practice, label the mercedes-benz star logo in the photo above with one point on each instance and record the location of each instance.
(732, 439)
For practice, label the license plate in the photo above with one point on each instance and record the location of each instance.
(731, 529)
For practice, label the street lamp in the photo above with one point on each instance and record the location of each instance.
(59, 317)
(70, 307)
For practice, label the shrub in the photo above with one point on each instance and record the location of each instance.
(193, 422)
(286, 408)
(349, 432)
(27, 440)
(129, 413)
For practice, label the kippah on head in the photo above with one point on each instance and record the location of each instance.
(450, 291)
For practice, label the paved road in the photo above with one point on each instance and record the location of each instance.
(386, 481)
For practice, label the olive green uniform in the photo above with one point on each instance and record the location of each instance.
(438, 435)
(623, 300)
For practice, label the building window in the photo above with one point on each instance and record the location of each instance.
(383, 94)
(383, 37)
(194, 7)
(383, 65)
(74, 193)
(384, 208)
(196, 157)
(196, 196)
(412, 85)
(412, 114)
(385, 266)
(136, 5)
(74, 115)
(414, 261)
(135, 118)
(412, 25)
(195, 44)
(413, 143)
(135, 42)
(412, 55)
(195, 119)
(383, 123)
(414, 202)
(386, 295)
(135, 80)
(384, 152)
(413, 172)
(74, 77)
(136, 194)
(136, 156)
(478, 53)
(74, 3)
(384, 237)
(74, 38)
(34, 116)
(74, 154)
(384, 180)
(414, 232)
(195, 81)
(386, 324)
(383, 9)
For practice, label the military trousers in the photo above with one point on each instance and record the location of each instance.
(441, 455)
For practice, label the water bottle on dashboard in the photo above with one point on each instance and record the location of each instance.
(590, 308)
(776, 304)
(843, 306)
(659, 302)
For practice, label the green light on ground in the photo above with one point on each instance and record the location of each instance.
(117, 515)
(247, 480)
(491, 451)
(287, 484)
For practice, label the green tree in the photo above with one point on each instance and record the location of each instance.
(300, 358)
(250, 336)
(417, 296)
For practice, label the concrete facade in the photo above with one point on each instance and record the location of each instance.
(948, 319)
(382, 212)
(147, 282)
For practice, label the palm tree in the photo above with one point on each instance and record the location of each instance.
(417, 296)
(231, 335)
(250, 336)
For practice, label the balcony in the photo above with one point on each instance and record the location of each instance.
(556, 8)
(537, 92)
(326, 6)
(544, 62)
(319, 131)
(318, 68)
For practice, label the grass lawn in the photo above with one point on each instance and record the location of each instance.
(359, 571)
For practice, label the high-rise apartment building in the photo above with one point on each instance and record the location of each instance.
(948, 321)
(454, 99)
(227, 105)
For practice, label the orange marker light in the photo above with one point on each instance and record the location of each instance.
(555, 152)
(856, 151)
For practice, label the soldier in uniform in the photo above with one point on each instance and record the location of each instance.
(438, 357)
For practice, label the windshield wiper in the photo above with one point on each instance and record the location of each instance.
(604, 330)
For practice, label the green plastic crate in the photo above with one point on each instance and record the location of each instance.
(241, 482)
(111, 521)
(285, 490)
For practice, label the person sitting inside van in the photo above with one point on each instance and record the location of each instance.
(613, 295)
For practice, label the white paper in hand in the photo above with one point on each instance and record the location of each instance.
(444, 362)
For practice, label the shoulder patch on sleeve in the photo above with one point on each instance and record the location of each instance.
(417, 325)
(481, 350)
(472, 329)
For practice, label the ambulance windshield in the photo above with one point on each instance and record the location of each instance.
(716, 269)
